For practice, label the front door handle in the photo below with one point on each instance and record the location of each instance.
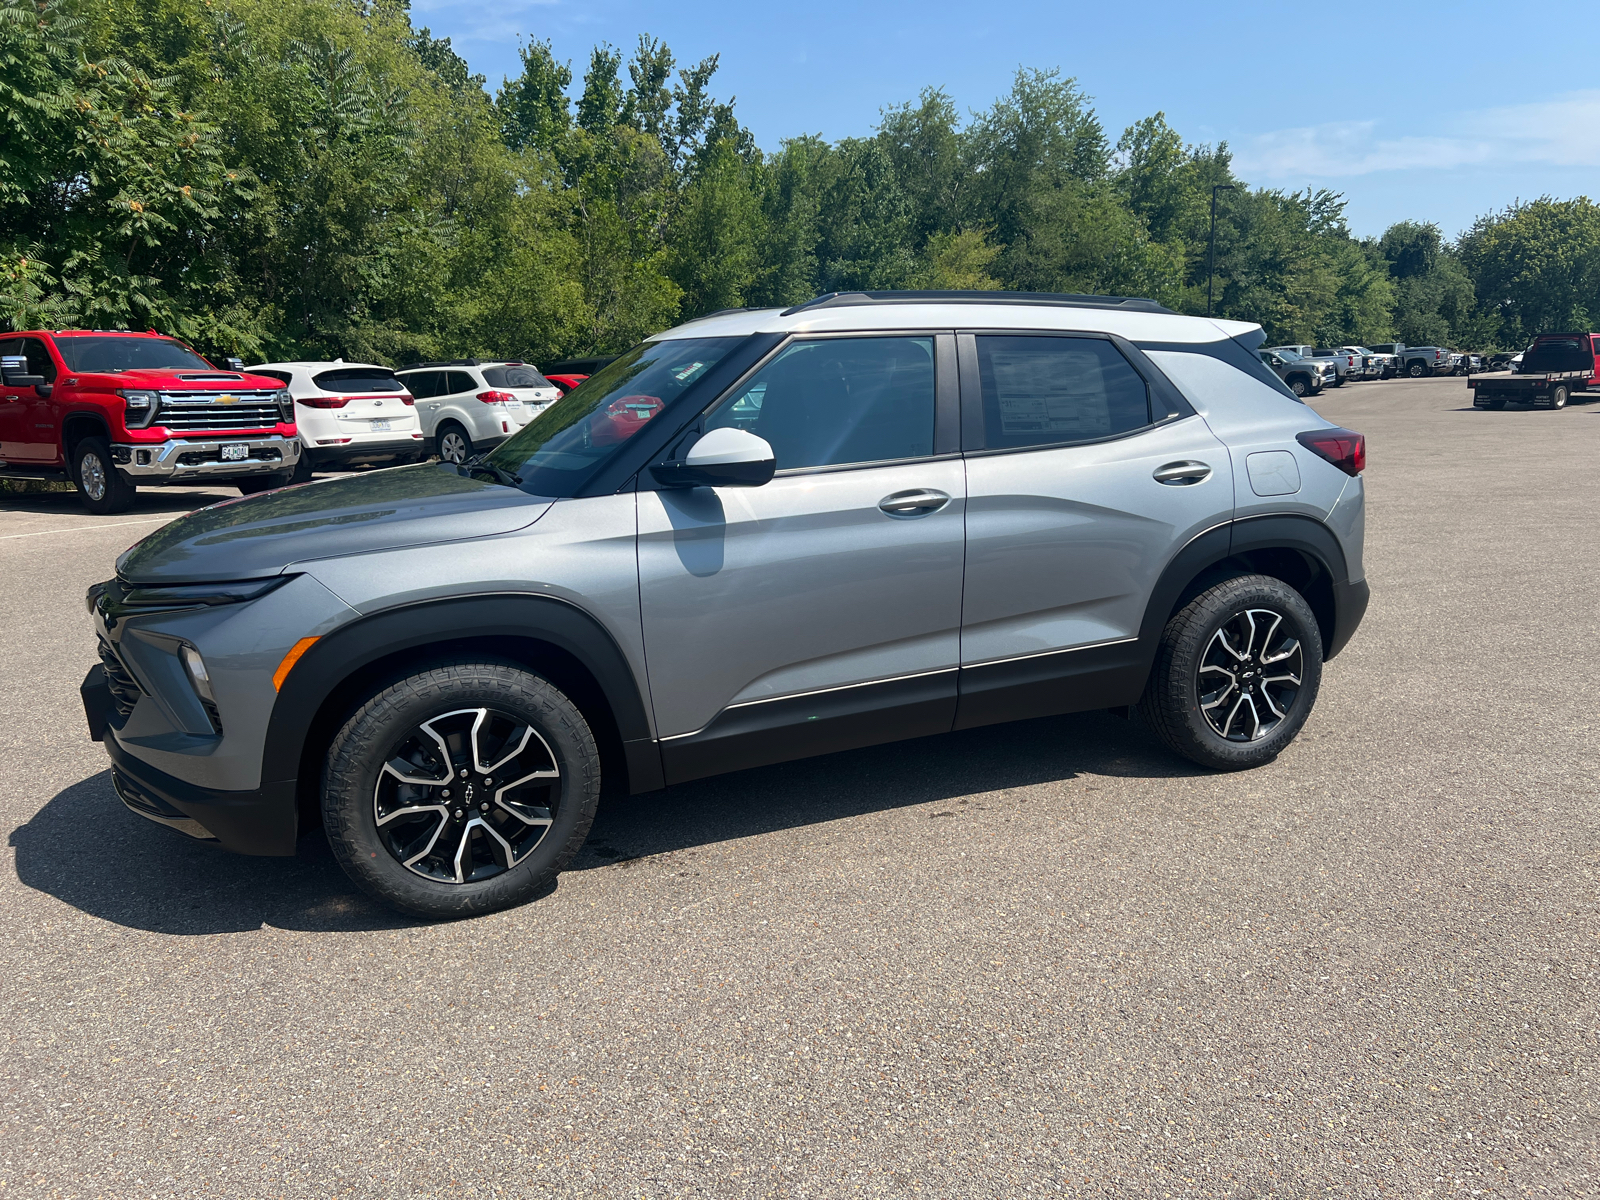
(1181, 474)
(918, 502)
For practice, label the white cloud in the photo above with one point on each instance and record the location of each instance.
(1563, 132)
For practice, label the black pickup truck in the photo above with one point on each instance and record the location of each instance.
(1554, 367)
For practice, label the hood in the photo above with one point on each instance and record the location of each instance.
(258, 536)
(186, 379)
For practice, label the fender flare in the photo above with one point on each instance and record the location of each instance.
(339, 656)
(1272, 531)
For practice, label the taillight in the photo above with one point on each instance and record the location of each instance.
(495, 397)
(407, 399)
(1344, 448)
(325, 401)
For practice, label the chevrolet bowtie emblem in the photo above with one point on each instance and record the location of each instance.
(226, 399)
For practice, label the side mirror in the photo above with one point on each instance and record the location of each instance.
(722, 458)
(14, 373)
(235, 364)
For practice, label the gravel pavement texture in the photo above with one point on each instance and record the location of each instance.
(1038, 959)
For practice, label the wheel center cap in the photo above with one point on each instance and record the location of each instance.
(467, 793)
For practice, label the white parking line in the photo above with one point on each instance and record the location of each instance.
(6, 537)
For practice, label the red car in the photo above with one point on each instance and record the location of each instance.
(112, 411)
(566, 382)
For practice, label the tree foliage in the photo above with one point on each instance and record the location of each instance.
(322, 178)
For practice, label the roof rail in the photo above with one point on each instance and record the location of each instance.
(1052, 299)
(454, 362)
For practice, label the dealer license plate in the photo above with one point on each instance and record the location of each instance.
(381, 425)
(235, 452)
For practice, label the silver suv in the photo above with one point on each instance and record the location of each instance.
(756, 537)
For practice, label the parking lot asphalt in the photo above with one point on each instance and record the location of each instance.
(1039, 959)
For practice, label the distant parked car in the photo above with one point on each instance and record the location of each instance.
(1303, 376)
(1467, 364)
(1417, 362)
(348, 414)
(566, 382)
(467, 405)
(1343, 364)
(1373, 365)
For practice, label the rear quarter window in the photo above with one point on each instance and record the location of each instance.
(1215, 384)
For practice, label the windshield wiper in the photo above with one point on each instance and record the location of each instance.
(480, 462)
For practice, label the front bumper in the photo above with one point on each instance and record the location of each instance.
(264, 821)
(179, 460)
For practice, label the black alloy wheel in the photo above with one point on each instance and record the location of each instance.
(1250, 675)
(1236, 674)
(466, 795)
(461, 789)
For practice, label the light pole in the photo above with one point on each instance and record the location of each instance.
(1211, 263)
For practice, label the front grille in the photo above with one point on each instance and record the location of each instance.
(125, 690)
(201, 418)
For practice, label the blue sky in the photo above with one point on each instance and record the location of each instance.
(1426, 111)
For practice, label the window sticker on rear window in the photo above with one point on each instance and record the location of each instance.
(684, 374)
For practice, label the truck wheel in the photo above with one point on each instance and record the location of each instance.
(1559, 396)
(1417, 369)
(1496, 404)
(461, 789)
(1298, 384)
(103, 488)
(1236, 674)
(303, 470)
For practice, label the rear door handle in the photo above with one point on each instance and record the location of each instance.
(918, 502)
(1181, 474)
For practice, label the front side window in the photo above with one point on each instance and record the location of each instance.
(556, 452)
(128, 354)
(1040, 391)
(840, 401)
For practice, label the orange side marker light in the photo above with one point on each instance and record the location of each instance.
(289, 661)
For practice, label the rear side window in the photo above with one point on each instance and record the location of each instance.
(840, 401)
(280, 376)
(1042, 391)
(357, 380)
(458, 381)
(514, 377)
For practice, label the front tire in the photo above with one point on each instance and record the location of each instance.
(103, 489)
(1298, 385)
(252, 485)
(410, 800)
(1236, 674)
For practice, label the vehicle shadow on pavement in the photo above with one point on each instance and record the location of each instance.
(877, 779)
(87, 850)
(149, 503)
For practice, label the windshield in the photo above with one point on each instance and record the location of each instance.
(358, 380)
(1288, 355)
(128, 354)
(560, 448)
(514, 377)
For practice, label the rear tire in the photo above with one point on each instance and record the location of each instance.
(452, 842)
(1559, 396)
(1496, 405)
(455, 446)
(1418, 369)
(1227, 709)
(103, 489)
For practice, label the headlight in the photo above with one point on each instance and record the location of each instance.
(115, 599)
(285, 405)
(140, 407)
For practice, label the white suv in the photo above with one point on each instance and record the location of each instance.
(468, 405)
(349, 414)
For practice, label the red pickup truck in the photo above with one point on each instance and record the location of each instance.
(111, 411)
